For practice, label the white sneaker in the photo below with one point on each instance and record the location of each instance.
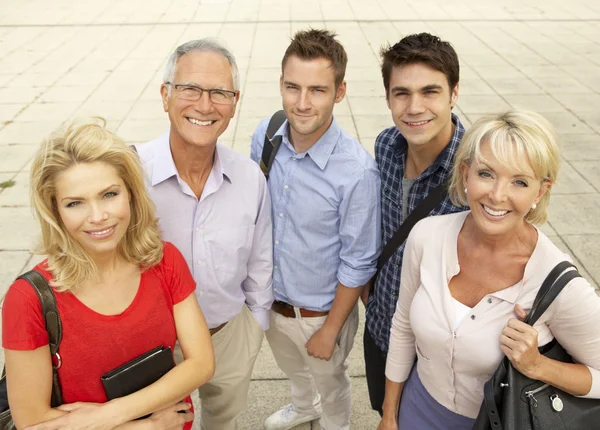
(287, 418)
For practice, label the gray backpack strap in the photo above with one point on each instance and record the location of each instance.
(272, 142)
(53, 326)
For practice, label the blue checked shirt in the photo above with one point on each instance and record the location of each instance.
(326, 216)
(390, 154)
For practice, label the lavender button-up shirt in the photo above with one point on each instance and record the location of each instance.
(225, 236)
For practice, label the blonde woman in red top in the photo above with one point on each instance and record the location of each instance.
(120, 292)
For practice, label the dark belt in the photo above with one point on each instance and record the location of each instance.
(287, 310)
(217, 329)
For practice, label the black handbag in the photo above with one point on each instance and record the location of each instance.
(54, 328)
(513, 401)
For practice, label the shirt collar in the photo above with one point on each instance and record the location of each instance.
(164, 166)
(510, 294)
(322, 149)
(445, 159)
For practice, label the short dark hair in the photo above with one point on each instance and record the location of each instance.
(421, 48)
(312, 44)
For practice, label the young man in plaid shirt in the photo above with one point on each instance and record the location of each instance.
(420, 75)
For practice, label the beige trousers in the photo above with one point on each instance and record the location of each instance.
(225, 396)
(318, 386)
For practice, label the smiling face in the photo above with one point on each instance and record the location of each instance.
(500, 196)
(93, 205)
(199, 122)
(421, 103)
(308, 95)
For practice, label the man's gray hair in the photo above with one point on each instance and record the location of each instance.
(203, 45)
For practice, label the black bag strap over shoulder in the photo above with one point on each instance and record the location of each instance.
(554, 283)
(53, 326)
(272, 142)
(436, 196)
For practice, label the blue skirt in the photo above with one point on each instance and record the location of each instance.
(420, 411)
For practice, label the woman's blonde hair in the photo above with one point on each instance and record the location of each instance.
(88, 143)
(516, 138)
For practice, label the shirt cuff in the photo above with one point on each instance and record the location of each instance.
(353, 278)
(262, 317)
(396, 372)
(595, 390)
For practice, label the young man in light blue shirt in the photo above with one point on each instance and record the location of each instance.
(326, 231)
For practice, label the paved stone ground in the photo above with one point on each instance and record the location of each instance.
(62, 59)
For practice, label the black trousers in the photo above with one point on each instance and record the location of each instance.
(375, 360)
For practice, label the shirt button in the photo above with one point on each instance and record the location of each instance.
(454, 335)
(472, 317)
(280, 214)
(275, 267)
(199, 262)
(276, 242)
(274, 289)
(197, 229)
(285, 187)
(490, 300)
(201, 293)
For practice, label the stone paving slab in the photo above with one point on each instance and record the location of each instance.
(63, 59)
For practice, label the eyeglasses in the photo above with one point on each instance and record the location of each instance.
(193, 93)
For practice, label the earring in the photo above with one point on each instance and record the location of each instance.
(465, 191)
(533, 206)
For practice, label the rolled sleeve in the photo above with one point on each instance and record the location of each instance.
(594, 392)
(575, 326)
(402, 352)
(360, 230)
(258, 285)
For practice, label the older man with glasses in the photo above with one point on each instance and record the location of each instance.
(214, 205)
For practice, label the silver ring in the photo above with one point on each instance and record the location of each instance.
(58, 361)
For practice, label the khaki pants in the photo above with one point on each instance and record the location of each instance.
(318, 386)
(225, 396)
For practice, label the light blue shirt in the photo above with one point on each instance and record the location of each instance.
(326, 216)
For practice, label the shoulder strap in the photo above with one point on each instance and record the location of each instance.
(272, 142)
(421, 211)
(53, 325)
(554, 283)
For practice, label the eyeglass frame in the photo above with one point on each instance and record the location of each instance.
(202, 90)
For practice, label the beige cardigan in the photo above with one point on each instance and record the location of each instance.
(454, 365)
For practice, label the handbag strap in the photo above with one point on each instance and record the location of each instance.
(489, 400)
(53, 325)
(554, 283)
(272, 142)
(426, 205)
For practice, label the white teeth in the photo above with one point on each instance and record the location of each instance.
(197, 122)
(493, 212)
(416, 124)
(98, 233)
